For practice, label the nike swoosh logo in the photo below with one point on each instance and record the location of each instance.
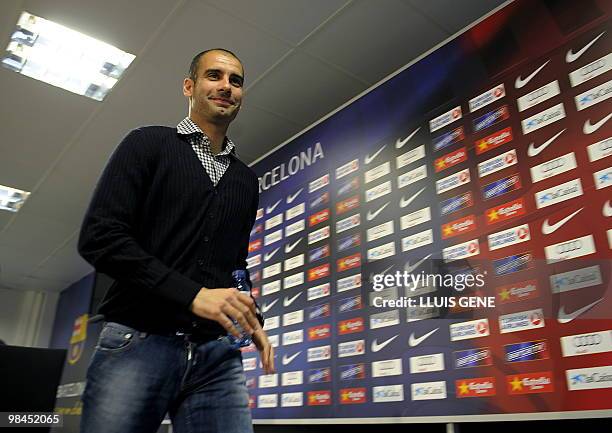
(533, 151)
(371, 215)
(403, 203)
(269, 255)
(412, 341)
(548, 229)
(266, 307)
(607, 209)
(288, 359)
(290, 247)
(400, 143)
(520, 82)
(571, 57)
(564, 317)
(288, 301)
(292, 197)
(369, 158)
(409, 268)
(270, 209)
(381, 273)
(376, 347)
(589, 129)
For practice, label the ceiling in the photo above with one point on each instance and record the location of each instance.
(303, 59)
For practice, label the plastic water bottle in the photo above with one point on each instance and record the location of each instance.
(242, 283)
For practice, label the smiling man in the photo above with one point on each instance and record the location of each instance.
(170, 220)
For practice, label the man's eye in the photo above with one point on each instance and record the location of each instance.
(237, 82)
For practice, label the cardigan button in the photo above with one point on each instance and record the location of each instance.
(206, 239)
(201, 262)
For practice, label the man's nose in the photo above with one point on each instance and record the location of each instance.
(225, 85)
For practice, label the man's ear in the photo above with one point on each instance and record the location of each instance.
(188, 87)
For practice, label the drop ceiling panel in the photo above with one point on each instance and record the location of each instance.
(304, 89)
(372, 39)
(291, 21)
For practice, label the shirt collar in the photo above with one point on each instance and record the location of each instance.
(189, 127)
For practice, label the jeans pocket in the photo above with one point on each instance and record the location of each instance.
(116, 337)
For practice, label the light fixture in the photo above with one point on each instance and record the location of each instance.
(12, 199)
(49, 52)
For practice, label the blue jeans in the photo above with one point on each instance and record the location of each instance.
(135, 378)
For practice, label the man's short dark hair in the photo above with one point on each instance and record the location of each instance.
(193, 67)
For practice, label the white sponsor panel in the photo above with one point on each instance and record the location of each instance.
(587, 344)
(318, 183)
(274, 221)
(579, 379)
(293, 317)
(470, 329)
(387, 393)
(384, 319)
(377, 172)
(348, 168)
(558, 193)
(538, 96)
(319, 291)
(296, 210)
(409, 157)
(419, 289)
(254, 261)
(259, 214)
(378, 191)
(380, 231)
(318, 235)
(511, 236)
(348, 223)
(294, 262)
(293, 337)
(600, 150)
(553, 167)
(412, 176)
(603, 178)
(415, 218)
(487, 97)
(386, 294)
(292, 399)
(444, 119)
(570, 249)
(428, 390)
(453, 181)
(273, 339)
(272, 270)
(268, 380)
(348, 283)
(271, 287)
(427, 363)
(381, 252)
(521, 321)
(417, 240)
(249, 364)
(272, 322)
(576, 279)
(319, 353)
(351, 348)
(293, 280)
(461, 251)
(543, 118)
(295, 227)
(497, 163)
(591, 70)
(387, 367)
(594, 96)
(266, 401)
(415, 314)
(291, 378)
(273, 237)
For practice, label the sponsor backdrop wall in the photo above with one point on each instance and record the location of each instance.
(487, 159)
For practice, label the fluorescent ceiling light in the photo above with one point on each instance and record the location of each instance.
(12, 199)
(65, 58)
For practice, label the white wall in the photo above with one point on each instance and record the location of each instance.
(26, 317)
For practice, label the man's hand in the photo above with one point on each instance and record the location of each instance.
(265, 349)
(223, 305)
